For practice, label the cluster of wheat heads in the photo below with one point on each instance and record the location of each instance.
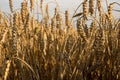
(52, 49)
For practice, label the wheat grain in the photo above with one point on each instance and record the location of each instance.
(99, 5)
(110, 15)
(41, 7)
(67, 19)
(24, 11)
(11, 5)
(85, 10)
(31, 5)
(91, 7)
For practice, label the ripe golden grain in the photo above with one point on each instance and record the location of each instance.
(11, 5)
(85, 10)
(91, 7)
(7, 70)
(24, 11)
(67, 19)
(99, 5)
(31, 5)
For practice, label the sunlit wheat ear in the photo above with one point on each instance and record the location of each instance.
(80, 30)
(7, 70)
(47, 14)
(31, 5)
(92, 26)
(6, 22)
(24, 11)
(53, 23)
(41, 3)
(11, 20)
(3, 40)
(110, 15)
(16, 20)
(59, 20)
(20, 21)
(99, 5)
(28, 23)
(11, 5)
(91, 7)
(103, 38)
(85, 10)
(14, 33)
(47, 10)
(56, 11)
(45, 42)
(31, 23)
(41, 7)
(67, 19)
(103, 20)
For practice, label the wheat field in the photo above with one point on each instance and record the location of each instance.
(53, 48)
